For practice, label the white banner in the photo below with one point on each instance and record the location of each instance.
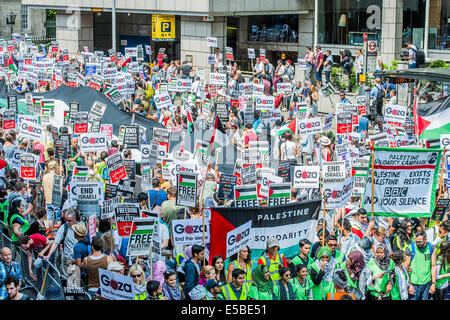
(338, 194)
(189, 231)
(306, 177)
(218, 78)
(239, 238)
(404, 182)
(395, 113)
(264, 102)
(310, 126)
(93, 142)
(162, 100)
(116, 286)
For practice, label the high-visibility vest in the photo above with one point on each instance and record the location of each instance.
(228, 292)
(4, 209)
(25, 226)
(248, 274)
(100, 168)
(273, 265)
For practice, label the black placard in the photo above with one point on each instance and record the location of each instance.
(130, 167)
(226, 186)
(110, 191)
(284, 170)
(12, 101)
(440, 209)
(61, 148)
(131, 137)
(222, 111)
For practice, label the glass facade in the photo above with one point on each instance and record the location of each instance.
(345, 21)
(414, 23)
(276, 28)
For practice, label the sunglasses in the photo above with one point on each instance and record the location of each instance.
(135, 275)
(287, 275)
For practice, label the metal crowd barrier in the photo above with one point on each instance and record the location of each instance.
(53, 289)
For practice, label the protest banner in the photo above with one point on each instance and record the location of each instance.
(80, 174)
(440, 210)
(239, 238)
(395, 114)
(30, 130)
(125, 213)
(309, 126)
(186, 189)
(162, 100)
(28, 166)
(62, 148)
(131, 137)
(116, 169)
(288, 223)
(57, 190)
(344, 122)
(162, 137)
(126, 188)
(284, 170)
(189, 231)
(130, 167)
(404, 182)
(9, 119)
(333, 172)
(226, 186)
(279, 193)
(306, 177)
(110, 191)
(108, 207)
(81, 122)
(359, 173)
(212, 42)
(93, 142)
(222, 111)
(116, 286)
(248, 174)
(218, 79)
(337, 194)
(245, 196)
(264, 102)
(140, 242)
(88, 198)
(328, 122)
(97, 111)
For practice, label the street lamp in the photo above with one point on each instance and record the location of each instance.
(11, 20)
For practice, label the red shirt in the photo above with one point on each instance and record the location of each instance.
(250, 136)
(39, 241)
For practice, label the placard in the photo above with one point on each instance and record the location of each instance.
(27, 166)
(162, 100)
(344, 122)
(97, 111)
(57, 190)
(110, 191)
(131, 137)
(30, 130)
(239, 238)
(222, 111)
(245, 196)
(338, 194)
(284, 170)
(306, 177)
(218, 79)
(333, 172)
(116, 169)
(125, 213)
(212, 42)
(140, 242)
(62, 146)
(116, 286)
(309, 126)
(9, 119)
(440, 209)
(88, 198)
(108, 207)
(93, 142)
(81, 122)
(186, 189)
(189, 231)
(264, 102)
(226, 186)
(251, 53)
(130, 167)
(395, 114)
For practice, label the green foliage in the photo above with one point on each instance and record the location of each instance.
(51, 14)
(439, 64)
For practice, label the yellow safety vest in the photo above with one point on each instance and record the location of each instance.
(228, 292)
(274, 265)
(248, 275)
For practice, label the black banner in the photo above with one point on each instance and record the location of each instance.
(284, 170)
(110, 191)
(131, 137)
(226, 186)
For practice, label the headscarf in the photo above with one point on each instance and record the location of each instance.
(260, 282)
(358, 264)
(308, 84)
(338, 282)
(139, 289)
(159, 267)
(198, 292)
(329, 267)
(364, 246)
(382, 263)
(172, 293)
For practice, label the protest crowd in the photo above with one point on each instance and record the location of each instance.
(232, 187)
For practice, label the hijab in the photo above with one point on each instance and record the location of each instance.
(382, 263)
(364, 246)
(358, 264)
(260, 282)
(329, 267)
(159, 267)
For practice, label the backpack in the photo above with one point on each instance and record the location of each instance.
(413, 250)
(420, 56)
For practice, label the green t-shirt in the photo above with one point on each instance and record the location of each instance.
(303, 291)
(170, 211)
(259, 295)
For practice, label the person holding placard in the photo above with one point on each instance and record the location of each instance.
(241, 260)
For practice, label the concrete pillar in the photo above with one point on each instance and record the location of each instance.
(75, 31)
(194, 32)
(391, 35)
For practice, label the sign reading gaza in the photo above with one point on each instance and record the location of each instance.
(189, 231)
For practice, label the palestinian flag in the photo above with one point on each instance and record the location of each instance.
(187, 180)
(142, 227)
(166, 163)
(282, 222)
(201, 147)
(290, 127)
(124, 64)
(12, 64)
(280, 190)
(219, 136)
(432, 119)
(80, 171)
(190, 123)
(245, 193)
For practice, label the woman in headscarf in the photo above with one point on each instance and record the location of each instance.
(283, 288)
(159, 267)
(381, 267)
(322, 274)
(262, 286)
(171, 289)
(365, 247)
(358, 276)
(400, 287)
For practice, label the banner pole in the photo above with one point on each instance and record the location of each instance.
(442, 177)
(373, 162)
(323, 222)
(203, 222)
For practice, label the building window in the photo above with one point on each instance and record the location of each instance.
(414, 23)
(345, 22)
(277, 28)
(24, 17)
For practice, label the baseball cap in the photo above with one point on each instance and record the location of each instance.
(115, 266)
(272, 242)
(211, 283)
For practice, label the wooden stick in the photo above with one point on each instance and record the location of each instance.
(323, 222)
(203, 222)
(45, 279)
(151, 265)
(442, 177)
(373, 162)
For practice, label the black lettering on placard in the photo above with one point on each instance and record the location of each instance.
(131, 137)
(222, 111)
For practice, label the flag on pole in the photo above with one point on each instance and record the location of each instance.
(290, 127)
(190, 123)
(431, 119)
(11, 64)
(124, 65)
(219, 136)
